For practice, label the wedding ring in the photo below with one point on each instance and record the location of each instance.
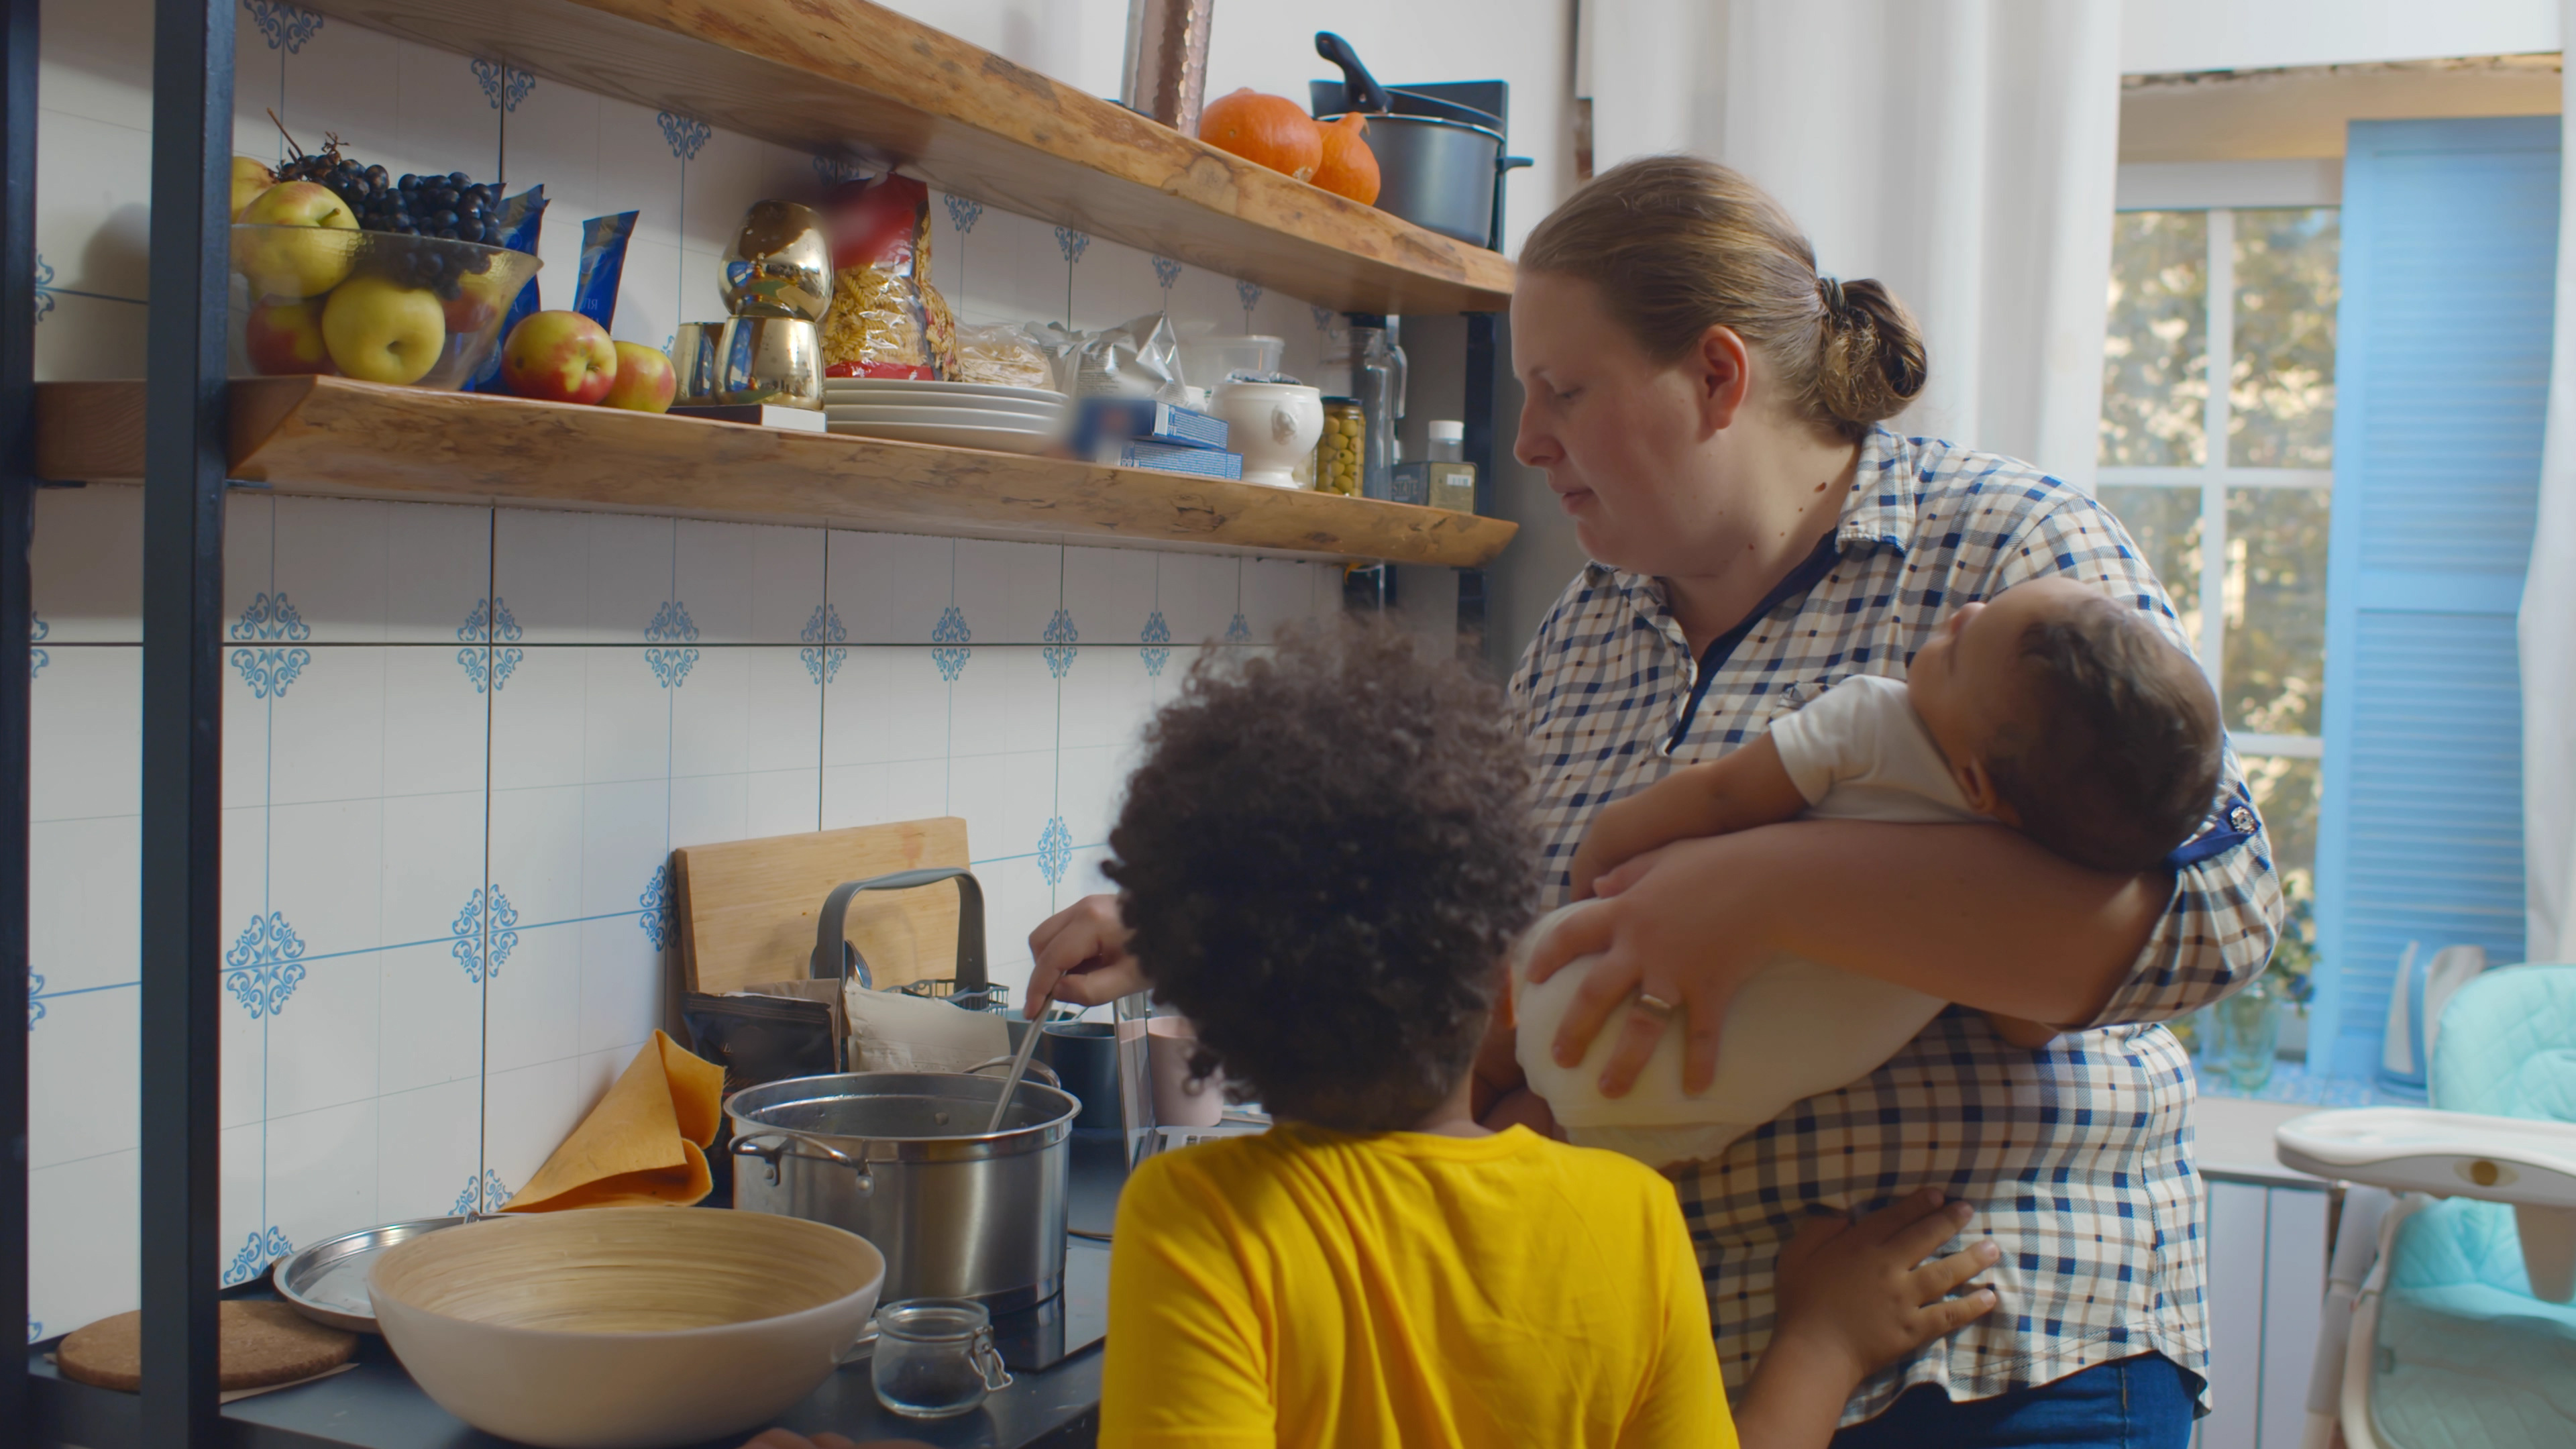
(1654, 1006)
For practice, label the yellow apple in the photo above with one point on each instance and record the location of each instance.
(250, 178)
(380, 332)
(285, 338)
(305, 244)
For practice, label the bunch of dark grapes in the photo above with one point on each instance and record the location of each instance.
(452, 207)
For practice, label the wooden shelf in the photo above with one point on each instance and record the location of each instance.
(337, 438)
(846, 77)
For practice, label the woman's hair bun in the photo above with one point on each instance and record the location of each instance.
(1871, 362)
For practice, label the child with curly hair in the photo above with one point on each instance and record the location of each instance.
(1322, 860)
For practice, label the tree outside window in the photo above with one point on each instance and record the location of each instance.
(2236, 529)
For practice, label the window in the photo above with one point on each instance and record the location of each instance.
(2227, 488)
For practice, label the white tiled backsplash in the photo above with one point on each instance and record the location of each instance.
(437, 716)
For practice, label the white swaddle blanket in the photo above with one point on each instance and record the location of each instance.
(1796, 1028)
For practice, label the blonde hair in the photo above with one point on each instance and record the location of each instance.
(1678, 245)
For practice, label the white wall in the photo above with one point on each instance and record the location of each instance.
(1529, 43)
(2160, 36)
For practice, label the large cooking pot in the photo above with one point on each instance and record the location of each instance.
(902, 1160)
(1440, 164)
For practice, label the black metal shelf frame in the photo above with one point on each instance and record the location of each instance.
(192, 92)
(192, 84)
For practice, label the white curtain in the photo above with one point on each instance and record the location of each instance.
(1962, 151)
(2549, 614)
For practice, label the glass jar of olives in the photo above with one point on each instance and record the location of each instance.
(1341, 453)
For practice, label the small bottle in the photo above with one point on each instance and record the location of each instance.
(1449, 479)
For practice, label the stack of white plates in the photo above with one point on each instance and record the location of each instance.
(957, 414)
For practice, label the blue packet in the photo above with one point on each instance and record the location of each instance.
(603, 262)
(521, 216)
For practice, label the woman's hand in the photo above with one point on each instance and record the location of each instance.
(1080, 956)
(1851, 1298)
(1677, 924)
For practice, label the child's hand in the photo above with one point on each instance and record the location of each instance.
(1624, 830)
(1860, 1295)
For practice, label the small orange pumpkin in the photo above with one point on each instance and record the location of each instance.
(1271, 131)
(1350, 167)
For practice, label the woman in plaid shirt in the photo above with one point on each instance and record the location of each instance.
(1705, 406)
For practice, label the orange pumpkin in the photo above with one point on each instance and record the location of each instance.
(1350, 167)
(1271, 131)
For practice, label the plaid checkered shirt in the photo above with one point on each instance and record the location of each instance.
(2079, 1157)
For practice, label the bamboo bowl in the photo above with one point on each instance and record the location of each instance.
(643, 1327)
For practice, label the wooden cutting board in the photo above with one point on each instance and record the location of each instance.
(747, 907)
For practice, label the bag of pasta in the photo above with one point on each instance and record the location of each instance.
(886, 319)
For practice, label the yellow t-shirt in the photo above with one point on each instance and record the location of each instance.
(1305, 1288)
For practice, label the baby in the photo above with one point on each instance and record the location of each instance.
(2054, 709)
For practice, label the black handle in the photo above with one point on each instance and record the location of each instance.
(1360, 90)
(834, 956)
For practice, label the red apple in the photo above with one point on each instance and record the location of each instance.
(558, 357)
(285, 339)
(379, 331)
(645, 381)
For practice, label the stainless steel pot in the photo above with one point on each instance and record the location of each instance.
(900, 1159)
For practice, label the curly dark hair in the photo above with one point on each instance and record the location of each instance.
(2128, 764)
(1322, 860)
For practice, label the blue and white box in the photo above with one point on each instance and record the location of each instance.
(1203, 462)
(1102, 421)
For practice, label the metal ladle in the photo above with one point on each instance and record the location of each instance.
(1019, 1066)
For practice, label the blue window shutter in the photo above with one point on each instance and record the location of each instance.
(2450, 260)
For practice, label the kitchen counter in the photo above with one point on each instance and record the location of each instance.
(377, 1406)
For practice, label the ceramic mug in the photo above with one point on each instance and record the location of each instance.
(1274, 425)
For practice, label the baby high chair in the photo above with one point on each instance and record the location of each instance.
(2447, 1319)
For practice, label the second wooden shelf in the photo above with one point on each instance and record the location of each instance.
(338, 438)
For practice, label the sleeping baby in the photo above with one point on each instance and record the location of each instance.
(2055, 710)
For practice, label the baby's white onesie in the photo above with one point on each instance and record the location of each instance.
(1796, 1028)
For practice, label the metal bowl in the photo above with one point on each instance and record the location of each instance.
(327, 1281)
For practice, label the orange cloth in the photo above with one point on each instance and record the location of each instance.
(641, 1144)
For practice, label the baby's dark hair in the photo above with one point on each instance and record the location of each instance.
(2121, 762)
(1322, 858)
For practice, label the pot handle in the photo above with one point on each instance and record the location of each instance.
(1360, 90)
(834, 957)
(742, 1148)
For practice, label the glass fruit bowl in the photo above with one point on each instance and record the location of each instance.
(374, 305)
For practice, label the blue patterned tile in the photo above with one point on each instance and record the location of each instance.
(265, 965)
(35, 1000)
(1250, 293)
(268, 672)
(503, 85)
(1166, 272)
(1061, 637)
(262, 1249)
(671, 625)
(1239, 631)
(285, 27)
(688, 135)
(1072, 242)
(1055, 850)
(820, 633)
(493, 1193)
(964, 212)
(469, 930)
(37, 659)
(1157, 639)
(952, 636)
(656, 915)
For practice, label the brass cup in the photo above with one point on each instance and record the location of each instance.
(780, 265)
(772, 360)
(697, 354)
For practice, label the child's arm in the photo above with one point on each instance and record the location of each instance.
(1719, 797)
(1851, 1297)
